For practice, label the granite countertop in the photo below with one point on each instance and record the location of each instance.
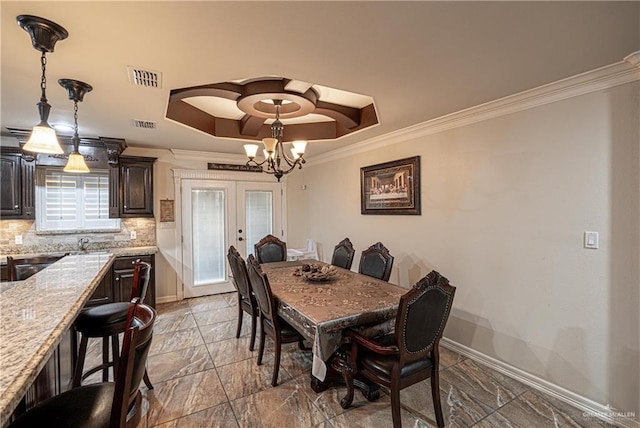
(123, 251)
(34, 316)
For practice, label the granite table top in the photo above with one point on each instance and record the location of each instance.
(321, 310)
(34, 316)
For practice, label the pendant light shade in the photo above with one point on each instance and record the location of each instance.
(76, 164)
(43, 139)
(44, 35)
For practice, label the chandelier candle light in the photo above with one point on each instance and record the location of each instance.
(274, 151)
(44, 35)
(76, 91)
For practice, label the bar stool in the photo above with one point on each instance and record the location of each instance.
(107, 322)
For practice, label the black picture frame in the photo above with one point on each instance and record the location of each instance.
(391, 188)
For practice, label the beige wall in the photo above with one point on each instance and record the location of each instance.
(505, 203)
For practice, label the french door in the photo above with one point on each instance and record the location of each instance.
(217, 214)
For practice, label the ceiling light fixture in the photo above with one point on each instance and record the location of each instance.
(76, 91)
(274, 151)
(44, 35)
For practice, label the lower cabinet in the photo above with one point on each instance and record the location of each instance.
(116, 284)
(53, 379)
(104, 292)
(123, 279)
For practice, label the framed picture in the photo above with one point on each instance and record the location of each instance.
(391, 187)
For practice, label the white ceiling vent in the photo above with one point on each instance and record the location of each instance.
(145, 124)
(146, 78)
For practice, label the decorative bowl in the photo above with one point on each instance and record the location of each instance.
(316, 272)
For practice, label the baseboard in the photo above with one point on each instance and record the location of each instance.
(584, 404)
(167, 299)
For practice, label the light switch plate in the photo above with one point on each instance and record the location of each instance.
(591, 240)
(133, 234)
(18, 239)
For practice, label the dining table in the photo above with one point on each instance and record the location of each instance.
(321, 310)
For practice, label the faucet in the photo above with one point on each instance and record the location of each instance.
(82, 243)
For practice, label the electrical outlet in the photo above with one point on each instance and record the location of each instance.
(133, 234)
(18, 239)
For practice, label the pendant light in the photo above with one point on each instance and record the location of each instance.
(76, 91)
(44, 35)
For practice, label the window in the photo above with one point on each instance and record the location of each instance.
(73, 201)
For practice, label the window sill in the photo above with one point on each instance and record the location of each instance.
(76, 231)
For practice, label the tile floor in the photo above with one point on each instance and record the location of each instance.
(204, 377)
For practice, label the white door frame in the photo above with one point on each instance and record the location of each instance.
(194, 174)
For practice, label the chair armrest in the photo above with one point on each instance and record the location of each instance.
(370, 344)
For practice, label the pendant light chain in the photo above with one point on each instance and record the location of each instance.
(43, 80)
(75, 116)
(76, 139)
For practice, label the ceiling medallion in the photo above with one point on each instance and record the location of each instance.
(316, 112)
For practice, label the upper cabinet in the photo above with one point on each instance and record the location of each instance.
(131, 188)
(16, 185)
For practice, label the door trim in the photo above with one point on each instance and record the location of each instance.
(196, 174)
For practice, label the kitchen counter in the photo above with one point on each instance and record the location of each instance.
(34, 315)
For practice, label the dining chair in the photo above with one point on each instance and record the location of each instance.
(376, 262)
(409, 354)
(19, 269)
(343, 254)
(246, 300)
(271, 324)
(107, 321)
(270, 249)
(107, 404)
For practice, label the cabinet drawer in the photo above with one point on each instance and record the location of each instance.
(123, 263)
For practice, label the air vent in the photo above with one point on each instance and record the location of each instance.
(146, 78)
(145, 124)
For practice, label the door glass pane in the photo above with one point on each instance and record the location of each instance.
(208, 225)
(258, 216)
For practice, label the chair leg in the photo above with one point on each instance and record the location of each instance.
(240, 312)
(395, 407)
(147, 381)
(115, 351)
(435, 393)
(82, 352)
(254, 321)
(276, 363)
(261, 346)
(105, 359)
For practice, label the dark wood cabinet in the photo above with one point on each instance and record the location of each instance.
(116, 284)
(131, 188)
(123, 278)
(17, 185)
(104, 292)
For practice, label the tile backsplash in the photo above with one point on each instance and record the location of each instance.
(33, 243)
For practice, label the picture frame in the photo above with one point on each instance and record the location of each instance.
(391, 188)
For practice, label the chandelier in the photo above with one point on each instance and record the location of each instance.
(276, 161)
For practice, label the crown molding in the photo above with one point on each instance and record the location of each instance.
(619, 73)
(192, 155)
